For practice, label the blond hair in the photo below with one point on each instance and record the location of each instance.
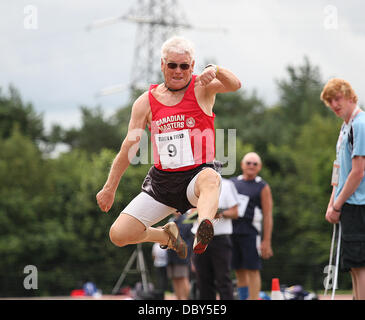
(334, 87)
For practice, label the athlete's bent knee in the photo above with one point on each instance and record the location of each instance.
(210, 179)
(117, 238)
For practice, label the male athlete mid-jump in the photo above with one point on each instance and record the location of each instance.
(179, 114)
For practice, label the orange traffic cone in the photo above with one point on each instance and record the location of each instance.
(275, 290)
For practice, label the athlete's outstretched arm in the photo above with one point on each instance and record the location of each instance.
(139, 117)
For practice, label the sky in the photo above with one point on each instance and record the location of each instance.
(58, 65)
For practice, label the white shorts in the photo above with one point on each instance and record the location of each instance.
(150, 211)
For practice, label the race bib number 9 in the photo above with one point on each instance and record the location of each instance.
(174, 149)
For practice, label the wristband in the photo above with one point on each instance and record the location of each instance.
(334, 209)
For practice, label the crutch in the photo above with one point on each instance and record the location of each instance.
(337, 260)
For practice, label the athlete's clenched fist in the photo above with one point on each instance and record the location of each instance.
(208, 75)
(105, 199)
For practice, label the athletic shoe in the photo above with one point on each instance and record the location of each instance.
(203, 236)
(175, 241)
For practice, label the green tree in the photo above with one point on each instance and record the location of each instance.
(13, 111)
(23, 173)
(96, 132)
(299, 97)
(242, 111)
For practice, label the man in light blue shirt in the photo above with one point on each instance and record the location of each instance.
(353, 146)
(347, 202)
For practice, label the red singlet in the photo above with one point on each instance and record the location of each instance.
(182, 135)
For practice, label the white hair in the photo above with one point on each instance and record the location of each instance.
(178, 45)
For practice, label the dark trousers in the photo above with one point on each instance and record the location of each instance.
(213, 269)
(161, 279)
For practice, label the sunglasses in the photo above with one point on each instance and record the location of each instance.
(253, 163)
(183, 66)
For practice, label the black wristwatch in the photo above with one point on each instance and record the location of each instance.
(211, 65)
